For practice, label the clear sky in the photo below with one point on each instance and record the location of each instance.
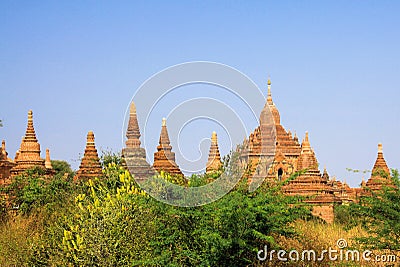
(334, 66)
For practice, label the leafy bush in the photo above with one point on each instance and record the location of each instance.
(379, 214)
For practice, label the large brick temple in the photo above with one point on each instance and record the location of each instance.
(288, 156)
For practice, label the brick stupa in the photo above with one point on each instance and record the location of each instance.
(214, 163)
(312, 184)
(380, 175)
(135, 156)
(164, 158)
(28, 155)
(90, 165)
(287, 148)
(6, 164)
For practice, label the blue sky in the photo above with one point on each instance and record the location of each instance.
(334, 67)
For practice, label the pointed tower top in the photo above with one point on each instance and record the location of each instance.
(132, 108)
(90, 166)
(47, 162)
(164, 137)
(214, 137)
(380, 150)
(269, 97)
(132, 132)
(306, 142)
(30, 130)
(380, 164)
(214, 158)
(90, 138)
(307, 159)
(164, 158)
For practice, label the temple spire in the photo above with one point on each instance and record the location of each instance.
(30, 130)
(164, 158)
(47, 162)
(133, 133)
(214, 158)
(29, 152)
(134, 156)
(380, 173)
(307, 159)
(269, 97)
(3, 149)
(90, 165)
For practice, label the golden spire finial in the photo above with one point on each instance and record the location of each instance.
(380, 150)
(164, 122)
(30, 115)
(269, 97)
(90, 138)
(214, 137)
(132, 109)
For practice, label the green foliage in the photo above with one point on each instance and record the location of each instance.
(227, 232)
(109, 226)
(379, 214)
(62, 167)
(1, 123)
(3, 208)
(108, 156)
(33, 191)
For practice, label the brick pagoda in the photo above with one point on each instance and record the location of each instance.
(164, 158)
(28, 155)
(214, 163)
(135, 156)
(90, 165)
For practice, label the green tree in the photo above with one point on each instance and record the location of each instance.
(379, 214)
(62, 167)
(227, 232)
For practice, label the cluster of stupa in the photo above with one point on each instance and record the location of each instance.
(291, 156)
(288, 157)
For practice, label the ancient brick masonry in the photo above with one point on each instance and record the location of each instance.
(6, 164)
(135, 156)
(289, 157)
(28, 155)
(214, 158)
(164, 158)
(90, 165)
(287, 148)
(312, 185)
(380, 175)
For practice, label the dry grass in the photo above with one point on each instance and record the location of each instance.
(17, 236)
(315, 235)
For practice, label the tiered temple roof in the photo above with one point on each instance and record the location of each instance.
(312, 184)
(164, 158)
(90, 165)
(380, 174)
(28, 155)
(214, 158)
(134, 155)
(287, 148)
